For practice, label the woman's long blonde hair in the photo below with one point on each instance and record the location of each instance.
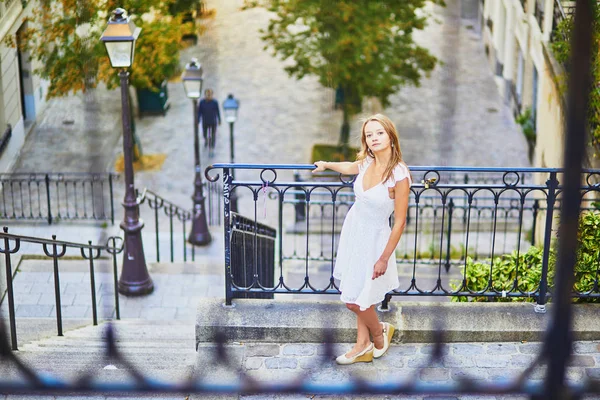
(390, 129)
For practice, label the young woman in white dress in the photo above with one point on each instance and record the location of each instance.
(366, 261)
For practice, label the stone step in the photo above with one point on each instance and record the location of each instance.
(91, 346)
(161, 349)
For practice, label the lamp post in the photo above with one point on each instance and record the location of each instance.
(230, 107)
(192, 83)
(119, 38)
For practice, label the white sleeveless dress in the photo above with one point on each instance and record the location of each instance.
(364, 235)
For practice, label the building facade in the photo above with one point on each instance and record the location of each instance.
(22, 94)
(517, 35)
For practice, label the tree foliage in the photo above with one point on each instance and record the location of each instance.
(64, 38)
(561, 48)
(361, 47)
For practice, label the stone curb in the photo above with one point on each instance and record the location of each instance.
(304, 321)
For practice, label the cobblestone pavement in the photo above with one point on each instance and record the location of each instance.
(283, 363)
(489, 362)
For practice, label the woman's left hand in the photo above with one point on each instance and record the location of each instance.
(379, 269)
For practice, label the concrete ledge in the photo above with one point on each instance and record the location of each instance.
(303, 321)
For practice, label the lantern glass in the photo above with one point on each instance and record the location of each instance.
(193, 88)
(119, 38)
(230, 106)
(120, 53)
(230, 114)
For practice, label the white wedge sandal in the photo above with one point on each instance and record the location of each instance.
(388, 332)
(364, 356)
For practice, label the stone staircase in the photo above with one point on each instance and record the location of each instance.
(162, 350)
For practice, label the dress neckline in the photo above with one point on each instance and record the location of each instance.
(362, 179)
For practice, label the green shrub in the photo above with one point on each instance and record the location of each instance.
(588, 252)
(527, 267)
(333, 153)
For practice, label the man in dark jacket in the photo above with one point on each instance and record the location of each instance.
(208, 113)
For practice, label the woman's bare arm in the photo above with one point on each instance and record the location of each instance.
(401, 192)
(345, 168)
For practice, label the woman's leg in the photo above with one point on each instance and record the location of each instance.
(371, 321)
(364, 326)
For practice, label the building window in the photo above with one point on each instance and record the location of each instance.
(519, 81)
(539, 13)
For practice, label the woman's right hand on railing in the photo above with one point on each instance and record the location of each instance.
(320, 166)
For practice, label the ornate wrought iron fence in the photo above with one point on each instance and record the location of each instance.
(56, 250)
(447, 224)
(57, 196)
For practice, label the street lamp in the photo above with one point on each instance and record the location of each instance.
(119, 38)
(192, 83)
(230, 107)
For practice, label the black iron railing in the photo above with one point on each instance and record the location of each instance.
(447, 224)
(57, 196)
(177, 221)
(172, 223)
(252, 256)
(55, 250)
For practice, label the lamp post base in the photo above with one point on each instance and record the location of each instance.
(199, 235)
(136, 288)
(135, 279)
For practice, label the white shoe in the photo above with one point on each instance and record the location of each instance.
(388, 332)
(364, 356)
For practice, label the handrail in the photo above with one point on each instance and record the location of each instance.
(54, 250)
(418, 168)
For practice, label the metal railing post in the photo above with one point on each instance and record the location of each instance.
(112, 204)
(227, 179)
(552, 185)
(47, 179)
(536, 208)
(55, 255)
(93, 285)
(449, 235)
(10, 291)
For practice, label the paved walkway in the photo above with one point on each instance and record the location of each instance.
(456, 117)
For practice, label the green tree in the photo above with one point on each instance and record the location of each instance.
(561, 48)
(64, 38)
(360, 48)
